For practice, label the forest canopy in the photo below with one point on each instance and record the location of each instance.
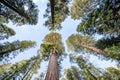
(97, 34)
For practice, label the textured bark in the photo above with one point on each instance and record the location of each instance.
(52, 71)
(94, 49)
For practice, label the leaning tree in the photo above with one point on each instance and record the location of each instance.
(77, 42)
(89, 71)
(19, 12)
(23, 70)
(52, 48)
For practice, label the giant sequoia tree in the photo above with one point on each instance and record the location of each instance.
(100, 17)
(97, 17)
(52, 48)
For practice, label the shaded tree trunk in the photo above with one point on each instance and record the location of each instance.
(52, 10)
(20, 12)
(52, 71)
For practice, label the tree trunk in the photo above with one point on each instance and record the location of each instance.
(20, 12)
(94, 49)
(52, 10)
(52, 71)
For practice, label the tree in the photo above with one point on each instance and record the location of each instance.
(76, 42)
(19, 11)
(15, 47)
(112, 73)
(80, 8)
(23, 69)
(33, 67)
(87, 43)
(5, 32)
(104, 19)
(14, 70)
(87, 70)
(59, 11)
(52, 47)
(72, 73)
(41, 77)
(110, 45)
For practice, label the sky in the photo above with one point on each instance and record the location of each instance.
(38, 32)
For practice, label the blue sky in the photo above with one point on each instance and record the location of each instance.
(37, 33)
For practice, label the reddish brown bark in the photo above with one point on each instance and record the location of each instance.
(94, 49)
(52, 71)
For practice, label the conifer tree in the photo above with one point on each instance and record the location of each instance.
(19, 11)
(59, 11)
(15, 47)
(77, 42)
(23, 69)
(52, 48)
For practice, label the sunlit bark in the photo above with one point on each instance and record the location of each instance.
(52, 71)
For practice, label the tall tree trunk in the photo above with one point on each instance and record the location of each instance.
(52, 71)
(94, 49)
(20, 12)
(52, 10)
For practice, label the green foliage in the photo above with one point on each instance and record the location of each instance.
(6, 32)
(114, 52)
(87, 70)
(107, 42)
(33, 67)
(59, 14)
(104, 19)
(111, 73)
(24, 68)
(40, 77)
(14, 70)
(72, 73)
(110, 45)
(75, 40)
(4, 67)
(52, 40)
(15, 47)
(80, 8)
(108, 48)
(19, 11)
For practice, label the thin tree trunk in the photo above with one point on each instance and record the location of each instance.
(8, 51)
(31, 66)
(52, 71)
(94, 49)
